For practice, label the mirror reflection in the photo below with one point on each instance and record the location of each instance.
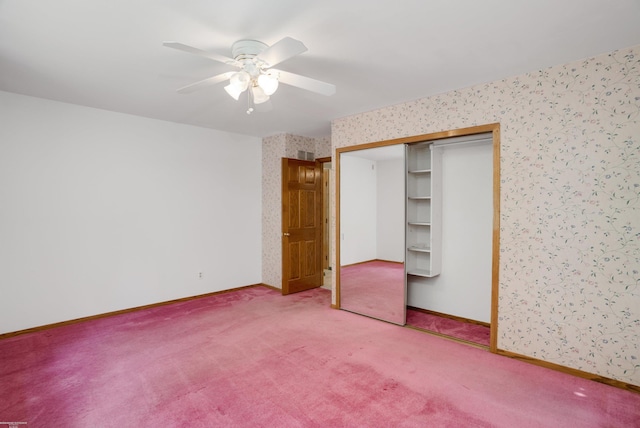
(372, 279)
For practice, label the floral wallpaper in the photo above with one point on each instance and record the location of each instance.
(274, 148)
(569, 290)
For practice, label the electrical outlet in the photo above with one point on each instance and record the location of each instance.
(200, 275)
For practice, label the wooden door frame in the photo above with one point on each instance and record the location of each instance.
(494, 128)
(325, 220)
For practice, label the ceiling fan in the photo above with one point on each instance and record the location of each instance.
(254, 61)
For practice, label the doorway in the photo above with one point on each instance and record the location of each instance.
(305, 224)
(301, 225)
(327, 182)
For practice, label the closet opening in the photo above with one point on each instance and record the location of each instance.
(449, 212)
(423, 210)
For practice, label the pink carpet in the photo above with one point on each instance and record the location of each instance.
(255, 358)
(449, 327)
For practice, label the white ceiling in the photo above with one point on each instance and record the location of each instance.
(108, 54)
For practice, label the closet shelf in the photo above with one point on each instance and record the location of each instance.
(422, 210)
(421, 272)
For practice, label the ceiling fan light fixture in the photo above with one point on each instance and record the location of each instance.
(240, 80)
(268, 82)
(253, 61)
(259, 95)
(238, 83)
(233, 90)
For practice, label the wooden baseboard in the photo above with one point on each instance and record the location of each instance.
(124, 311)
(451, 338)
(541, 363)
(453, 317)
(279, 290)
(569, 370)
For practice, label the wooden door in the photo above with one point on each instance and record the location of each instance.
(326, 215)
(301, 225)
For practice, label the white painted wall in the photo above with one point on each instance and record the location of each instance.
(390, 209)
(102, 211)
(464, 286)
(358, 216)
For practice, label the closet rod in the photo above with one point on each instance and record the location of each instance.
(457, 143)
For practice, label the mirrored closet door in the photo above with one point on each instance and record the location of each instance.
(371, 224)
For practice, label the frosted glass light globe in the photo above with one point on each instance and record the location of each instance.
(240, 80)
(268, 83)
(259, 96)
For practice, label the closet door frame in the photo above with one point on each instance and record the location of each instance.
(494, 128)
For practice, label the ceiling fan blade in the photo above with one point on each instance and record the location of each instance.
(281, 51)
(200, 52)
(206, 82)
(307, 83)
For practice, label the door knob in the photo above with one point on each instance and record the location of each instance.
(286, 233)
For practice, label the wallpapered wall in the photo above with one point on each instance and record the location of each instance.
(274, 148)
(570, 203)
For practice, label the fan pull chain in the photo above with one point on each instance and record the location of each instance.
(249, 108)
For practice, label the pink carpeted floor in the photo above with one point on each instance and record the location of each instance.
(470, 332)
(258, 359)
